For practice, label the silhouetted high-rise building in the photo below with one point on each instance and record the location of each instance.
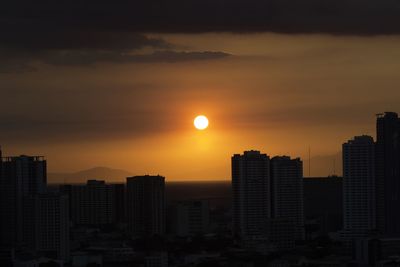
(190, 218)
(4, 224)
(287, 192)
(359, 214)
(32, 220)
(267, 199)
(118, 201)
(22, 178)
(388, 173)
(323, 203)
(251, 194)
(145, 196)
(91, 204)
(52, 225)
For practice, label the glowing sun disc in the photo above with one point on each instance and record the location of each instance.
(201, 122)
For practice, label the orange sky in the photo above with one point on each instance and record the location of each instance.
(275, 93)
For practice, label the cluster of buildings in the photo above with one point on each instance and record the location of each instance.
(371, 192)
(273, 210)
(267, 200)
(32, 218)
(41, 222)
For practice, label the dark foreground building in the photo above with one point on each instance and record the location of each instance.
(388, 173)
(359, 213)
(251, 188)
(22, 178)
(267, 200)
(323, 203)
(33, 221)
(96, 203)
(145, 197)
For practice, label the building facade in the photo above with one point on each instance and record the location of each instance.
(323, 203)
(33, 221)
(21, 179)
(251, 191)
(145, 196)
(52, 225)
(190, 218)
(287, 192)
(91, 204)
(359, 203)
(118, 202)
(388, 173)
(267, 200)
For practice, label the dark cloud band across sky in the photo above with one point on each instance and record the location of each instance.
(87, 32)
(360, 17)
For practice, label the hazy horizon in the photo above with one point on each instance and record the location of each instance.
(321, 167)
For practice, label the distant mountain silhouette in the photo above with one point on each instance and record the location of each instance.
(321, 166)
(100, 173)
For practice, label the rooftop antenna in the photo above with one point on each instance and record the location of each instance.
(334, 166)
(309, 161)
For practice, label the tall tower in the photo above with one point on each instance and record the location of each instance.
(388, 173)
(359, 210)
(52, 225)
(146, 205)
(251, 194)
(287, 192)
(23, 177)
(119, 202)
(4, 238)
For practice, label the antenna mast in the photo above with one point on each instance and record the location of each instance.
(309, 161)
(334, 166)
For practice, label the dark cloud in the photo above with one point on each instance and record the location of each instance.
(90, 57)
(14, 66)
(86, 32)
(361, 17)
(15, 63)
(39, 39)
(19, 51)
(20, 47)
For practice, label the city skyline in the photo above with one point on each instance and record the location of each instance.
(272, 210)
(314, 166)
(200, 133)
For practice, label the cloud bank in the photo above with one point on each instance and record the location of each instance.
(360, 17)
(84, 33)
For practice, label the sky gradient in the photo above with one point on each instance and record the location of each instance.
(125, 96)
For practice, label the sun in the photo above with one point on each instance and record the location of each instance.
(201, 122)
